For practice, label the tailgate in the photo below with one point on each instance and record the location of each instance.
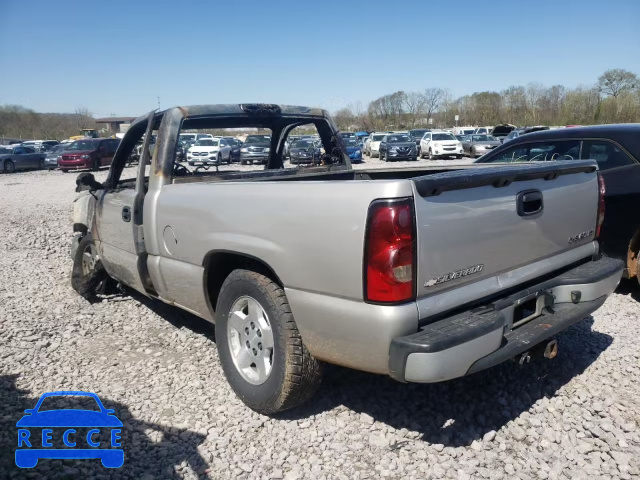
(481, 222)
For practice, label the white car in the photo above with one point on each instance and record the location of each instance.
(373, 146)
(194, 137)
(483, 131)
(440, 144)
(209, 151)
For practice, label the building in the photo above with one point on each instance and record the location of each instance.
(116, 124)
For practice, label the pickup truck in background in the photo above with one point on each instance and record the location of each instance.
(422, 274)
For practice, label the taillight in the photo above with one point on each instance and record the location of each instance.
(390, 252)
(601, 191)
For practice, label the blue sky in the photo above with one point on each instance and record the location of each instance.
(117, 57)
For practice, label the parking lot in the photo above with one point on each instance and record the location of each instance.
(573, 417)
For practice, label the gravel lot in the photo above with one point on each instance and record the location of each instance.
(574, 417)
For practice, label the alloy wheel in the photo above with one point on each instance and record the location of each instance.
(250, 340)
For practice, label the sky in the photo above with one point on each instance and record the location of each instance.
(117, 57)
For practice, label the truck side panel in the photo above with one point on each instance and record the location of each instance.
(310, 233)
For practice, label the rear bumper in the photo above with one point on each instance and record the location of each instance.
(485, 336)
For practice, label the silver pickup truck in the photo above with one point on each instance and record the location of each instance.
(423, 274)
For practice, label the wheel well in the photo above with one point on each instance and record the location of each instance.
(219, 264)
(632, 255)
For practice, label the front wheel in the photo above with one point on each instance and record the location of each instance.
(87, 272)
(9, 166)
(95, 165)
(260, 347)
(431, 157)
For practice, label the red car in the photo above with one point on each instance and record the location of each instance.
(91, 153)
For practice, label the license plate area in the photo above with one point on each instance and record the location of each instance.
(527, 308)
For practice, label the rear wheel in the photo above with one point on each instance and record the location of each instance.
(9, 166)
(260, 347)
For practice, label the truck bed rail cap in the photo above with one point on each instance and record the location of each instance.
(478, 176)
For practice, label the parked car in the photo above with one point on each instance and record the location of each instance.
(416, 135)
(354, 149)
(90, 153)
(517, 132)
(477, 145)
(209, 151)
(51, 157)
(501, 131)
(440, 144)
(137, 151)
(40, 146)
(346, 135)
(304, 151)
(194, 137)
(397, 146)
(256, 148)
(373, 146)
(463, 130)
(291, 139)
(16, 157)
(616, 148)
(409, 273)
(362, 136)
(235, 145)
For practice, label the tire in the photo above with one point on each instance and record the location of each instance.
(41, 164)
(430, 154)
(9, 166)
(472, 153)
(95, 165)
(218, 159)
(293, 374)
(85, 278)
(415, 159)
(64, 170)
(386, 156)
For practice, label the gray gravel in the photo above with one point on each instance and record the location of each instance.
(573, 417)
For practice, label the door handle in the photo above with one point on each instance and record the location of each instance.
(529, 202)
(126, 214)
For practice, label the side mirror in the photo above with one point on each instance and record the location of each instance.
(86, 181)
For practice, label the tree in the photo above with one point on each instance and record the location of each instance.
(433, 98)
(616, 81)
(344, 118)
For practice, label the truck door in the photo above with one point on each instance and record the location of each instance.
(118, 231)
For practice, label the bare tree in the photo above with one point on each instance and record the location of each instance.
(616, 81)
(433, 98)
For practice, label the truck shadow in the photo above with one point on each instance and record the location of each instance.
(149, 448)
(457, 412)
(453, 413)
(629, 287)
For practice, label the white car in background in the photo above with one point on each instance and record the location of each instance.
(440, 144)
(209, 151)
(483, 131)
(373, 147)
